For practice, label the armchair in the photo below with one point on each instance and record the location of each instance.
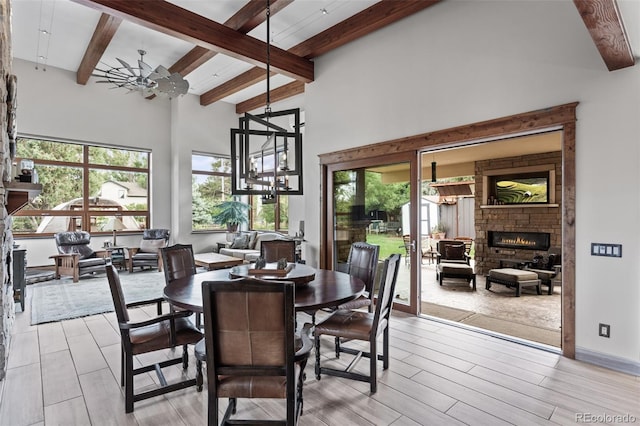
(452, 251)
(75, 257)
(148, 253)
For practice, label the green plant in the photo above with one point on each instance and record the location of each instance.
(230, 213)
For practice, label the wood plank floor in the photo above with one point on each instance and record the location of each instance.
(67, 373)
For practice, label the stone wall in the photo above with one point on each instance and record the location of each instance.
(7, 306)
(515, 218)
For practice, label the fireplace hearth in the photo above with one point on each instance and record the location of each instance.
(519, 240)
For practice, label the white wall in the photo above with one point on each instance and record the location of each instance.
(455, 63)
(461, 62)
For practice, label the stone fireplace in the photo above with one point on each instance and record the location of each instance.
(517, 231)
(7, 305)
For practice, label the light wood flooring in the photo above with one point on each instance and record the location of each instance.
(67, 373)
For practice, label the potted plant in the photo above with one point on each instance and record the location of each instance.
(231, 213)
(439, 231)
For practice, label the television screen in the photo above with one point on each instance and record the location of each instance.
(522, 189)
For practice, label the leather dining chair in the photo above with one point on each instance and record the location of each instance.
(150, 335)
(363, 263)
(251, 346)
(274, 250)
(364, 326)
(179, 263)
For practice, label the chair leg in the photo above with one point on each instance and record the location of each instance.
(122, 367)
(317, 369)
(373, 359)
(385, 348)
(128, 385)
(337, 339)
(199, 377)
(185, 357)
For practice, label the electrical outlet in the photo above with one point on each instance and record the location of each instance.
(604, 330)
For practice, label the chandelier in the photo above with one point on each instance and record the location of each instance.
(266, 149)
(144, 78)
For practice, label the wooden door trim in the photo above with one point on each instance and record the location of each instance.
(563, 116)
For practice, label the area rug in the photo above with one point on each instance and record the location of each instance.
(514, 328)
(63, 299)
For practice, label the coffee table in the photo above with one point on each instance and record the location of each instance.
(213, 261)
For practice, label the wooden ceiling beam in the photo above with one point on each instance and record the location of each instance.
(244, 80)
(365, 22)
(246, 19)
(173, 20)
(102, 36)
(603, 20)
(282, 92)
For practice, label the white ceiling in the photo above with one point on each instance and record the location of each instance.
(71, 26)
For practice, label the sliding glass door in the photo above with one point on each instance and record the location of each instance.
(373, 202)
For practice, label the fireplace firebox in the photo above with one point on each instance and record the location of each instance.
(520, 240)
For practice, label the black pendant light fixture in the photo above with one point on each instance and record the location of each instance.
(266, 149)
(433, 170)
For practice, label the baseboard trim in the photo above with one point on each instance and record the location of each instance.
(608, 361)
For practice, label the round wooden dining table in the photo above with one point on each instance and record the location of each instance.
(327, 289)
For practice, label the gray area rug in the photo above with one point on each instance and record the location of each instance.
(63, 299)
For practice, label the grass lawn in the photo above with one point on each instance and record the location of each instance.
(388, 243)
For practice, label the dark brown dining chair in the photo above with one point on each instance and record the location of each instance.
(179, 263)
(154, 334)
(274, 250)
(365, 326)
(251, 346)
(363, 263)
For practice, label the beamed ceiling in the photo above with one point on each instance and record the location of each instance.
(220, 46)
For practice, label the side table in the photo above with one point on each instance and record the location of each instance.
(118, 258)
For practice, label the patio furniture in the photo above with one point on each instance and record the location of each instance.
(456, 270)
(511, 277)
(452, 251)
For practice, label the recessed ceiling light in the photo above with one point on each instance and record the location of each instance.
(324, 11)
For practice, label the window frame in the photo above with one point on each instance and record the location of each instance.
(87, 213)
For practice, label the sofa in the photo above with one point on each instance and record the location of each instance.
(246, 245)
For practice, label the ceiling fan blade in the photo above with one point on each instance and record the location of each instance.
(127, 66)
(145, 69)
(160, 72)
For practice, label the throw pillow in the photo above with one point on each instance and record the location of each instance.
(151, 246)
(252, 239)
(240, 242)
(454, 252)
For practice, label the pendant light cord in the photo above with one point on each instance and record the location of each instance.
(268, 107)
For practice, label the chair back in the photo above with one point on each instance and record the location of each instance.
(249, 335)
(451, 250)
(386, 292)
(178, 262)
(116, 294)
(73, 242)
(274, 250)
(363, 262)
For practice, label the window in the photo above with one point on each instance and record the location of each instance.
(81, 187)
(265, 216)
(210, 184)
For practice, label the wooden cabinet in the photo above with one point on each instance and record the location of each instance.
(19, 276)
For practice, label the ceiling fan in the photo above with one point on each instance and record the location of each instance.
(144, 78)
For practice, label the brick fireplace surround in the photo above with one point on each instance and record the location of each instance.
(7, 305)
